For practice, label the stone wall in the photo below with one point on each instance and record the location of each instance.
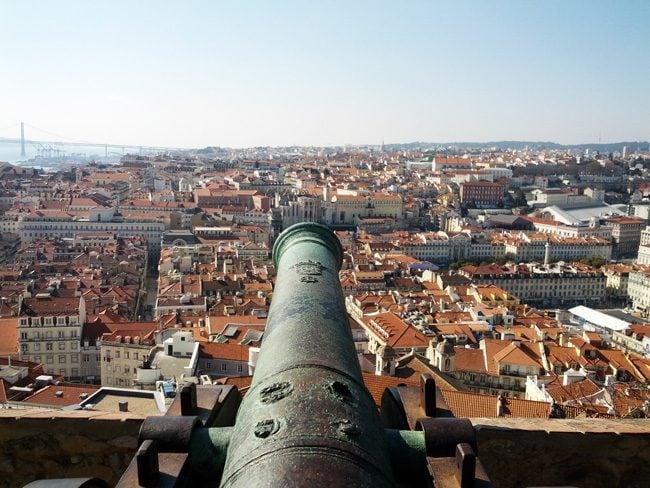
(41, 444)
(583, 453)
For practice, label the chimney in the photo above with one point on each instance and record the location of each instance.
(59, 394)
(123, 405)
(83, 396)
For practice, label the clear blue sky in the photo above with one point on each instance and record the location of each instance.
(243, 73)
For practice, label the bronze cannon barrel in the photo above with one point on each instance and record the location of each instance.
(307, 419)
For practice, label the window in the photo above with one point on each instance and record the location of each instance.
(63, 371)
(86, 358)
(62, 358)
(48, 334)
(61, 346)
(48, 346)
(74, 358)
(240, 368)
(23, 336)
(208, 365)
(135, 355)
(61, 334)
(49, 359)
(224, 366)
(75, 372)
(126, 355)
(23, 348)
(37, 359)
(74, 346)
(117, 354)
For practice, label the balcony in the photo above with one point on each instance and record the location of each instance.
(516, 374)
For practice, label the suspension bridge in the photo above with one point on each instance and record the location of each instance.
(52, 145)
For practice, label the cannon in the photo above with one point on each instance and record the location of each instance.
(307, 419)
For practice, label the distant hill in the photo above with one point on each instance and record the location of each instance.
(519, 145)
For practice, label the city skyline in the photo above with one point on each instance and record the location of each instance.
(281, 74)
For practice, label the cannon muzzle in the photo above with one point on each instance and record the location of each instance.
(307, 419)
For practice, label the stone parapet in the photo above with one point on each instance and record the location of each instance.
(578, 452)
(40, 444)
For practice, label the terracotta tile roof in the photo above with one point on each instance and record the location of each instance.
(8, 336)
(4, 386)
(217, 350)
(626, 399)
(470, 360)
(51, 306)
(517, 353)
(465, 404)
(491, 347)
(572, 392)
(643, 366)
(566, 356)
(131, 333)
(455, 329)
(618, 360)
(392, 330)
(376, 384)
(242, 383)
(410, 367)
(70, 395)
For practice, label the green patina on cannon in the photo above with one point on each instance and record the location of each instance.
(307, 419)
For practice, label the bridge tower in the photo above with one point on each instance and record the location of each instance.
(22, 139)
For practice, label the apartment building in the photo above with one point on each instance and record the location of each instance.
(49, 332)
(643, 256)
(347, 209)
(536, 246)
(540, 284)
(496, 367)
(638, 289)
(65, 225)
(626, 236)
(481, 193)
(125, 349)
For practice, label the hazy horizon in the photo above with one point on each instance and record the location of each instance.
(334, 73)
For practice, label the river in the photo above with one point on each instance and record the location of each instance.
(50, 154)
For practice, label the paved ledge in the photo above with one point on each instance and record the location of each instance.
(40, 413)
(580, 426)
(589, 453)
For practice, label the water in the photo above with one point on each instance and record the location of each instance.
(50, 154)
